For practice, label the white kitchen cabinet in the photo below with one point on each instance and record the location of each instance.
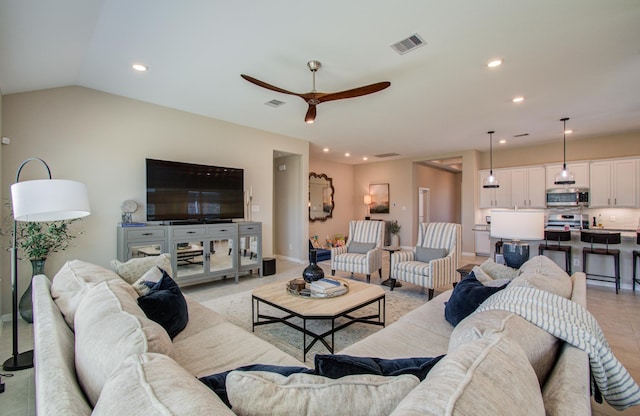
(613, 183)
(580, 173)
(482, 242)
(496, 197)
(528, 187)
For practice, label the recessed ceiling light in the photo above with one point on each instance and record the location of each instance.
(347, 154)
(502, 141)
(518, 99)
(365, 158)
(494, 63)
(139, 67)
(326, 150)
(568, 131)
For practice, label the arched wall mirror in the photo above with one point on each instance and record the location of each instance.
(320, 197)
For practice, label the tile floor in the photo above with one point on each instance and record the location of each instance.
(618, 315)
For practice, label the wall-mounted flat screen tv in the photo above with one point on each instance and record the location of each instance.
(179, 191)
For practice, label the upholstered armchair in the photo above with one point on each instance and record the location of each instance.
(433, 261)
(363, 251)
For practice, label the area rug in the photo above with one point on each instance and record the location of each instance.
(237, 309)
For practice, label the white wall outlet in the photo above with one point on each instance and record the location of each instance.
(576, 262)
(612, 218)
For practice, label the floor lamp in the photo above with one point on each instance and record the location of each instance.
(517, 225)
(36, 201)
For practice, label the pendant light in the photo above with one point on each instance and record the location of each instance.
(565, 177)
(491, 181)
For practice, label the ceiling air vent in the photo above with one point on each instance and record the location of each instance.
(274, 103)
(521, 135)
(406, 45)
(387, 155)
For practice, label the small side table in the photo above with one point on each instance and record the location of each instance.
(465, 270)
(391, 282)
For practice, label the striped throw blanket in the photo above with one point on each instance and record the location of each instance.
(575, 325)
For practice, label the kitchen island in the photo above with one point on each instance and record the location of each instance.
(602, 265)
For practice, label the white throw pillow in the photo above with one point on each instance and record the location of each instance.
(543, 273)
(109, 327)
(71, 283)
(481, 276)
(154, 275)
(498, 271)
(133, 269)
(261, 393)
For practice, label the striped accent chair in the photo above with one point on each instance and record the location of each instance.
(437, 272)
(371, 232)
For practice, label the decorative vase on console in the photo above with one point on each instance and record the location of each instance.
(313, 272)
(25, 306)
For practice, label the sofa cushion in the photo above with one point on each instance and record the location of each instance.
(543, 273)
(360, 248)
(109, 326)
(133, 269)
(72, 282)
(426, 254)
(540, 347)
(154, 384)
(166, 305)
(485, 377)
(339, 365)
(262, 393)
(468, 294)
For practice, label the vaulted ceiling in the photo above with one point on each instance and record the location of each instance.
(567, 58)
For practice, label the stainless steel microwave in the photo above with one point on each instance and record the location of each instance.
(568, 197)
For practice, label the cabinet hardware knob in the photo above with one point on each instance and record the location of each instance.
(147, 233)
(191, 232)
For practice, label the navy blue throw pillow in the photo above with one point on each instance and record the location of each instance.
(217, 382)
(336, 366)
(166, 305)
(468, 294)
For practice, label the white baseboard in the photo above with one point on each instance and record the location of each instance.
(291, 259)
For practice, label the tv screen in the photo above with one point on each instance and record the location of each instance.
(188, 192)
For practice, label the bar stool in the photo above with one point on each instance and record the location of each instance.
(559, 235)
(636, 254)
(602, 238)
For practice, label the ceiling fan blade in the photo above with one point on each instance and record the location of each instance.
(268, 86)
(310, 117)
(356, 92)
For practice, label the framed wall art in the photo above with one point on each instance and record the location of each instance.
(379, 198)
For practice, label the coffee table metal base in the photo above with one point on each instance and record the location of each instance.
(262, 319)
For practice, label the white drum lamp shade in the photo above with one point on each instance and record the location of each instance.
(38, 201)
(517, 225)
(49, 200)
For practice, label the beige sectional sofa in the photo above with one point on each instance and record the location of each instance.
(119, 362)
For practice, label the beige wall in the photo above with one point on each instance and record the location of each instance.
(445, 192)
(404, 184)
(103, 140)
(345, 207)
(290, 185)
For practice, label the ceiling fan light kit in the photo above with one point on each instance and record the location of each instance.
(565, 177)
(491, 181)
(314, 97)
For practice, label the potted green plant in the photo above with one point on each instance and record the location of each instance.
(37, 241)
(394, 229)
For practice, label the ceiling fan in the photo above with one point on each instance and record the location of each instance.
(314, 97)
